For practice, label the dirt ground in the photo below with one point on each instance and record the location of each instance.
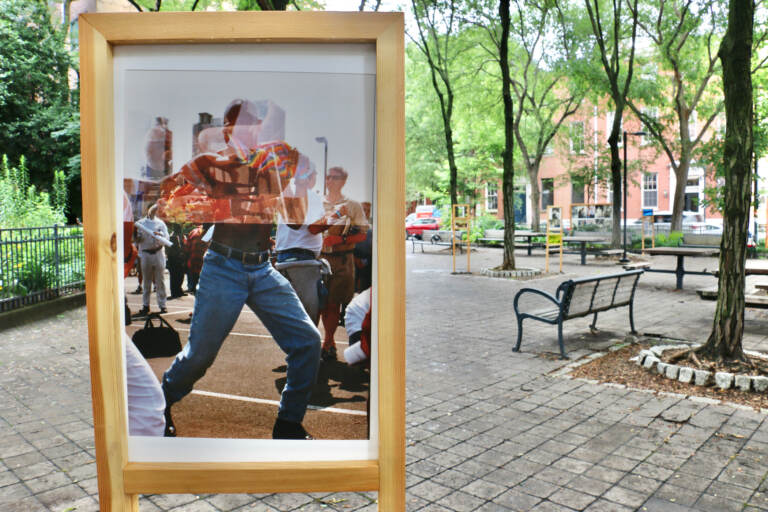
(239, 395)
(615, 367)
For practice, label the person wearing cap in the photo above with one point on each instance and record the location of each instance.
(346, 225)
(250, 178)
(152, 258)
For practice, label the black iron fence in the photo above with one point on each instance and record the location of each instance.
(39, 264)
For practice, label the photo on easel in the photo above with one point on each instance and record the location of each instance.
(554, 234)
(213, 148)
(554, 218)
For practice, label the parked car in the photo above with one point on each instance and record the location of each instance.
(417, 227)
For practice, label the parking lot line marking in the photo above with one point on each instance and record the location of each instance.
(276, 403)
(253, 335)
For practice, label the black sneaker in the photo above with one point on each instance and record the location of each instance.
(170, 428)
(289, 430)
(137, 291)
(163, 311)
(142, 312)
(328, 354)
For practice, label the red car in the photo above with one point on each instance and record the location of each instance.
(417, 227)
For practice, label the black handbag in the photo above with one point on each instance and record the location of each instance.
(157, 341)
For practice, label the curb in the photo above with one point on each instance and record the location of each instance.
(40, 310)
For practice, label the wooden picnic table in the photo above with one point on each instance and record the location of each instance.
(756, 268)
(583, 240)
(681, 253)
(529, 235)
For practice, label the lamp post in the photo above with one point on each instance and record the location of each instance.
(324, 142)
(624, 258)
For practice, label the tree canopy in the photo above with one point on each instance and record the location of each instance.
(38, 110)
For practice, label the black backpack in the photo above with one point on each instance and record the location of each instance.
(157, 341)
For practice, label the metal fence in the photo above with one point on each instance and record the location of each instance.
(39, 264)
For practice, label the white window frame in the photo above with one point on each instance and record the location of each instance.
(491, 187)
(654, 189)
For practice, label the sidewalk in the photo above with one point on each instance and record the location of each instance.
(487, 429)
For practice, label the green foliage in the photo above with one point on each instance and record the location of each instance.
(34, 265)
(673, 239)
(22, 205)
(37, 107)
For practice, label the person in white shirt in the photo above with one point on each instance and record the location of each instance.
(304, 242)
(152, 258)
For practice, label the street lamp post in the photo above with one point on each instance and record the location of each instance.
(624, 258)
(324, 142)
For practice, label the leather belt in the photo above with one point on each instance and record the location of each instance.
(246, 258)
(151, 251)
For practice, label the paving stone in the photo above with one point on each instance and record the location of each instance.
(672, 371)
(723, 380)
(759, 383)
(702, 377)
(661, 368)
(624, 496)
(572, 498)
(461, 501)
(685, 375)
(743, 382)
(536, 487)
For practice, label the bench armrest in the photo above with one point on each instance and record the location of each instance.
(535, 291)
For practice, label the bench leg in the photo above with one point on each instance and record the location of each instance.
(593, 327)
(560, 339)
(519, 334)
(632, 317)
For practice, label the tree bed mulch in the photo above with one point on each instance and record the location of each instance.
(615, 367)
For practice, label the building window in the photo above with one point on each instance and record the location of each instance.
(491, 197)
(654, 115)
(577, 137)
(650, 190)
(547, 192)
(577, 192)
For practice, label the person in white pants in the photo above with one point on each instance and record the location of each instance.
(146, 403)
(152, 258)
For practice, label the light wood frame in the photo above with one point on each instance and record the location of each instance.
(121, 481)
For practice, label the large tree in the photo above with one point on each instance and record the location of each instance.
(437, 23)
(544, 58)
(724, 342)
(679, 80)
(36, 104)
(615, 34)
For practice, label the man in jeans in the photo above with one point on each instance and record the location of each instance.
(247, 178)
(152, 258)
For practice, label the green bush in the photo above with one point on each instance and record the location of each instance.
(21, 205)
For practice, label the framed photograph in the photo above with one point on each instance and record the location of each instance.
(259, 158)
(554, 218)
(591, 214)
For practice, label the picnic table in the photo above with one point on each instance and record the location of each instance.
(528, 235)
(681, 253)
(583, 240)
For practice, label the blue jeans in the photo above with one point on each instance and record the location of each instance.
(225, 286)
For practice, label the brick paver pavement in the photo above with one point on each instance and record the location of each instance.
(487, 429)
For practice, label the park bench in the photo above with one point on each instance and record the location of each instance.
(576, 298)
(637, 265)
(441, 238)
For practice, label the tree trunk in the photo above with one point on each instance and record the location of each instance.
(533, 177)
(681, 180)
(735, 54)
(617, 188)
(508, 179)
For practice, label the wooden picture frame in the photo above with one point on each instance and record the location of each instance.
(120, 480)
